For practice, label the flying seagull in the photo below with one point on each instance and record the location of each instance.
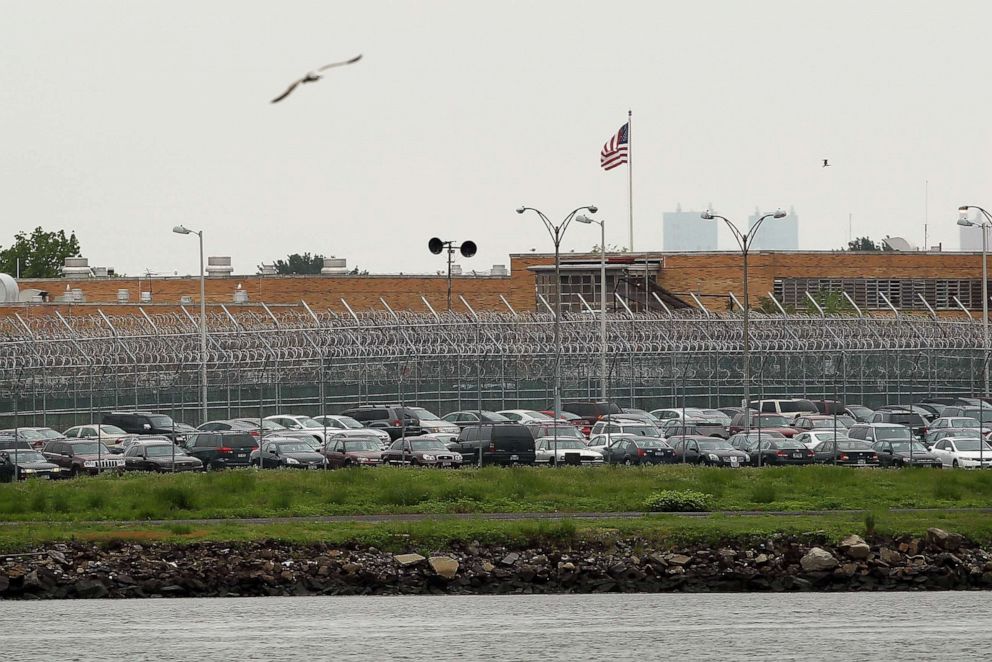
(314, 76)
(825, 163)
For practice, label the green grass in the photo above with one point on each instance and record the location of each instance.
(436, 534)
(247, 493)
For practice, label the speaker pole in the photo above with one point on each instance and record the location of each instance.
(450, 251)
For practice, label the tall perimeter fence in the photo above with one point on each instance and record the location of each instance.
(60, 371)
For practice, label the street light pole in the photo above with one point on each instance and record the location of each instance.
(557, 232)
(180, 229)
(582, 218)
(744, 240)
(964, 221)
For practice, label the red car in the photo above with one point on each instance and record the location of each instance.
(352, 452)
(770, 422)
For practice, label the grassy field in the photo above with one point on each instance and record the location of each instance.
(247, 493)
(436, 534)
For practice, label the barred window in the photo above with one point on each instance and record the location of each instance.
(870, 293)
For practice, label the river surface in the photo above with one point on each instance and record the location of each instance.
(839, 626)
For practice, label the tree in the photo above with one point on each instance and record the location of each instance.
(831, 301)
(866, 244)
(41, 254)
(300, 264)
(610, 248)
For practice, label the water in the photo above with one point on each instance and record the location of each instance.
(839, 626)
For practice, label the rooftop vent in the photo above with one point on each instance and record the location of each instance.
(334, 265)
(267, 270)
(219, 266)
(499, 270)
(76, 266)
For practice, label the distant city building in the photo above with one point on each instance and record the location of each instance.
(776, 234)
(686, 231)
(971, 238)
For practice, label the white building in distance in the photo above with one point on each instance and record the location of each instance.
(687, 231)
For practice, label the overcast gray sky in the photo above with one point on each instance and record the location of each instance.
(122, 118)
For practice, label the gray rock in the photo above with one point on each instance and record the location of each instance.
(57, 556)
(444, 566)
(889, 556)
(510, 558)
(855, 547)
(818, 560)
(91, 588)
(944, 539)
(679, 559)
(408, 559)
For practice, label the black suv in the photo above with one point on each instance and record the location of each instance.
(910, 419)
(146, 422)
(499, 443)
(221, 449)
(397, 421)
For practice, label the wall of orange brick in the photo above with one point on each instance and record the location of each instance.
(711, 275)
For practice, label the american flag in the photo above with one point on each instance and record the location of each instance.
(615, 150)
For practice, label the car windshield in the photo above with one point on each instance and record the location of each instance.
(769, 434)
(972, 445)
(351, 445)
(769, 421)
(294, 447)
(161, 421)
(650, 443)
(905, 418)
(893, 433)
(422, 414)
(309, 423)
(965, 423)
(715, 445)
(112, 429)
(827, 423)
(49, 433)
(26, 456)
(163, 450)
(427, 445)
(90, 448)
(563, 444)
(642, 430)
(829, 436)
(560, 431)
(270, 425)
(538, 415)
(348, 422)
(31, 435)
(903, 447)
(852, 445)
(787, 444)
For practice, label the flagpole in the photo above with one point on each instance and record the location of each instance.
(630, 178)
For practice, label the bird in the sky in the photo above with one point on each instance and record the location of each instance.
(314, 76)
(825, 161)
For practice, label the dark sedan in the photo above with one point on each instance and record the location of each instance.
(159, 456)
(905, 453)
(708, 451)
(27, 464)
(352, 452)
(775, 451)
(846, 452)
(420, 452)
(638, 450)
(288, 453)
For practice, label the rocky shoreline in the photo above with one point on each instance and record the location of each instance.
(938, 561)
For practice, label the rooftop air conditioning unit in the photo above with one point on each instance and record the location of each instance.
(499, 270)
(76, 266)
(185, 300)
(219, 266)
(334, 265)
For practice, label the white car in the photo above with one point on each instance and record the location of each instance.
(525, 416)
(963, 452)
(678, 412)
(431, 422)
(297, 422)
(109, 434)
(345, 423)
(599, 442)
(811, 438)
(544, 451)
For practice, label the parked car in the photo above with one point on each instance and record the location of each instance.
(933, 436)
(773, 422)
(640, 414)
(10, 442)
(590, 411)
(564, 450)
(675, 427)
(34, 438)
(159, 456)
(394, 420)
(465, 418)
(625, 426)
(25, 464)
(632, 449)
(525, 416)
(872, 432)
(922, 412)
(818, 422)
(910, 419)
(715, 417)
(982, 413)
(859, 413)
(787, 407)
(498, 443)
(430, 422)
(905, 453)
(145, 422)
(770, 451)
(82, 456)
(957, 422)
(422, 451)
(221, 449)
(300, 423)
(828, 407)
(743, 442)
(127, 441)
(963, 452)
(348, 452)
(810, 438)
(847, 452)
(237, 424)
(560, 430)
(679, 413)
(105, 433)
(708, 451)
(287, 453)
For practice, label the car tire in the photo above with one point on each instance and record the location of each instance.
(955, 464)
(627, 462)
(74, 472)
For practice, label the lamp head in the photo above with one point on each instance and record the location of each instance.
(582, 218)
(779, 214)
(521, 209)
(963, 209)
(964, 222)
(179, 229)
(592, 209)
(707, 215)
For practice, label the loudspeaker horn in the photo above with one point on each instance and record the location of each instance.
(468, 248)
(435, 245)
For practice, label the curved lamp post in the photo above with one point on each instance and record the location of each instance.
(744, 241)
(181, 229)
(557, 232)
